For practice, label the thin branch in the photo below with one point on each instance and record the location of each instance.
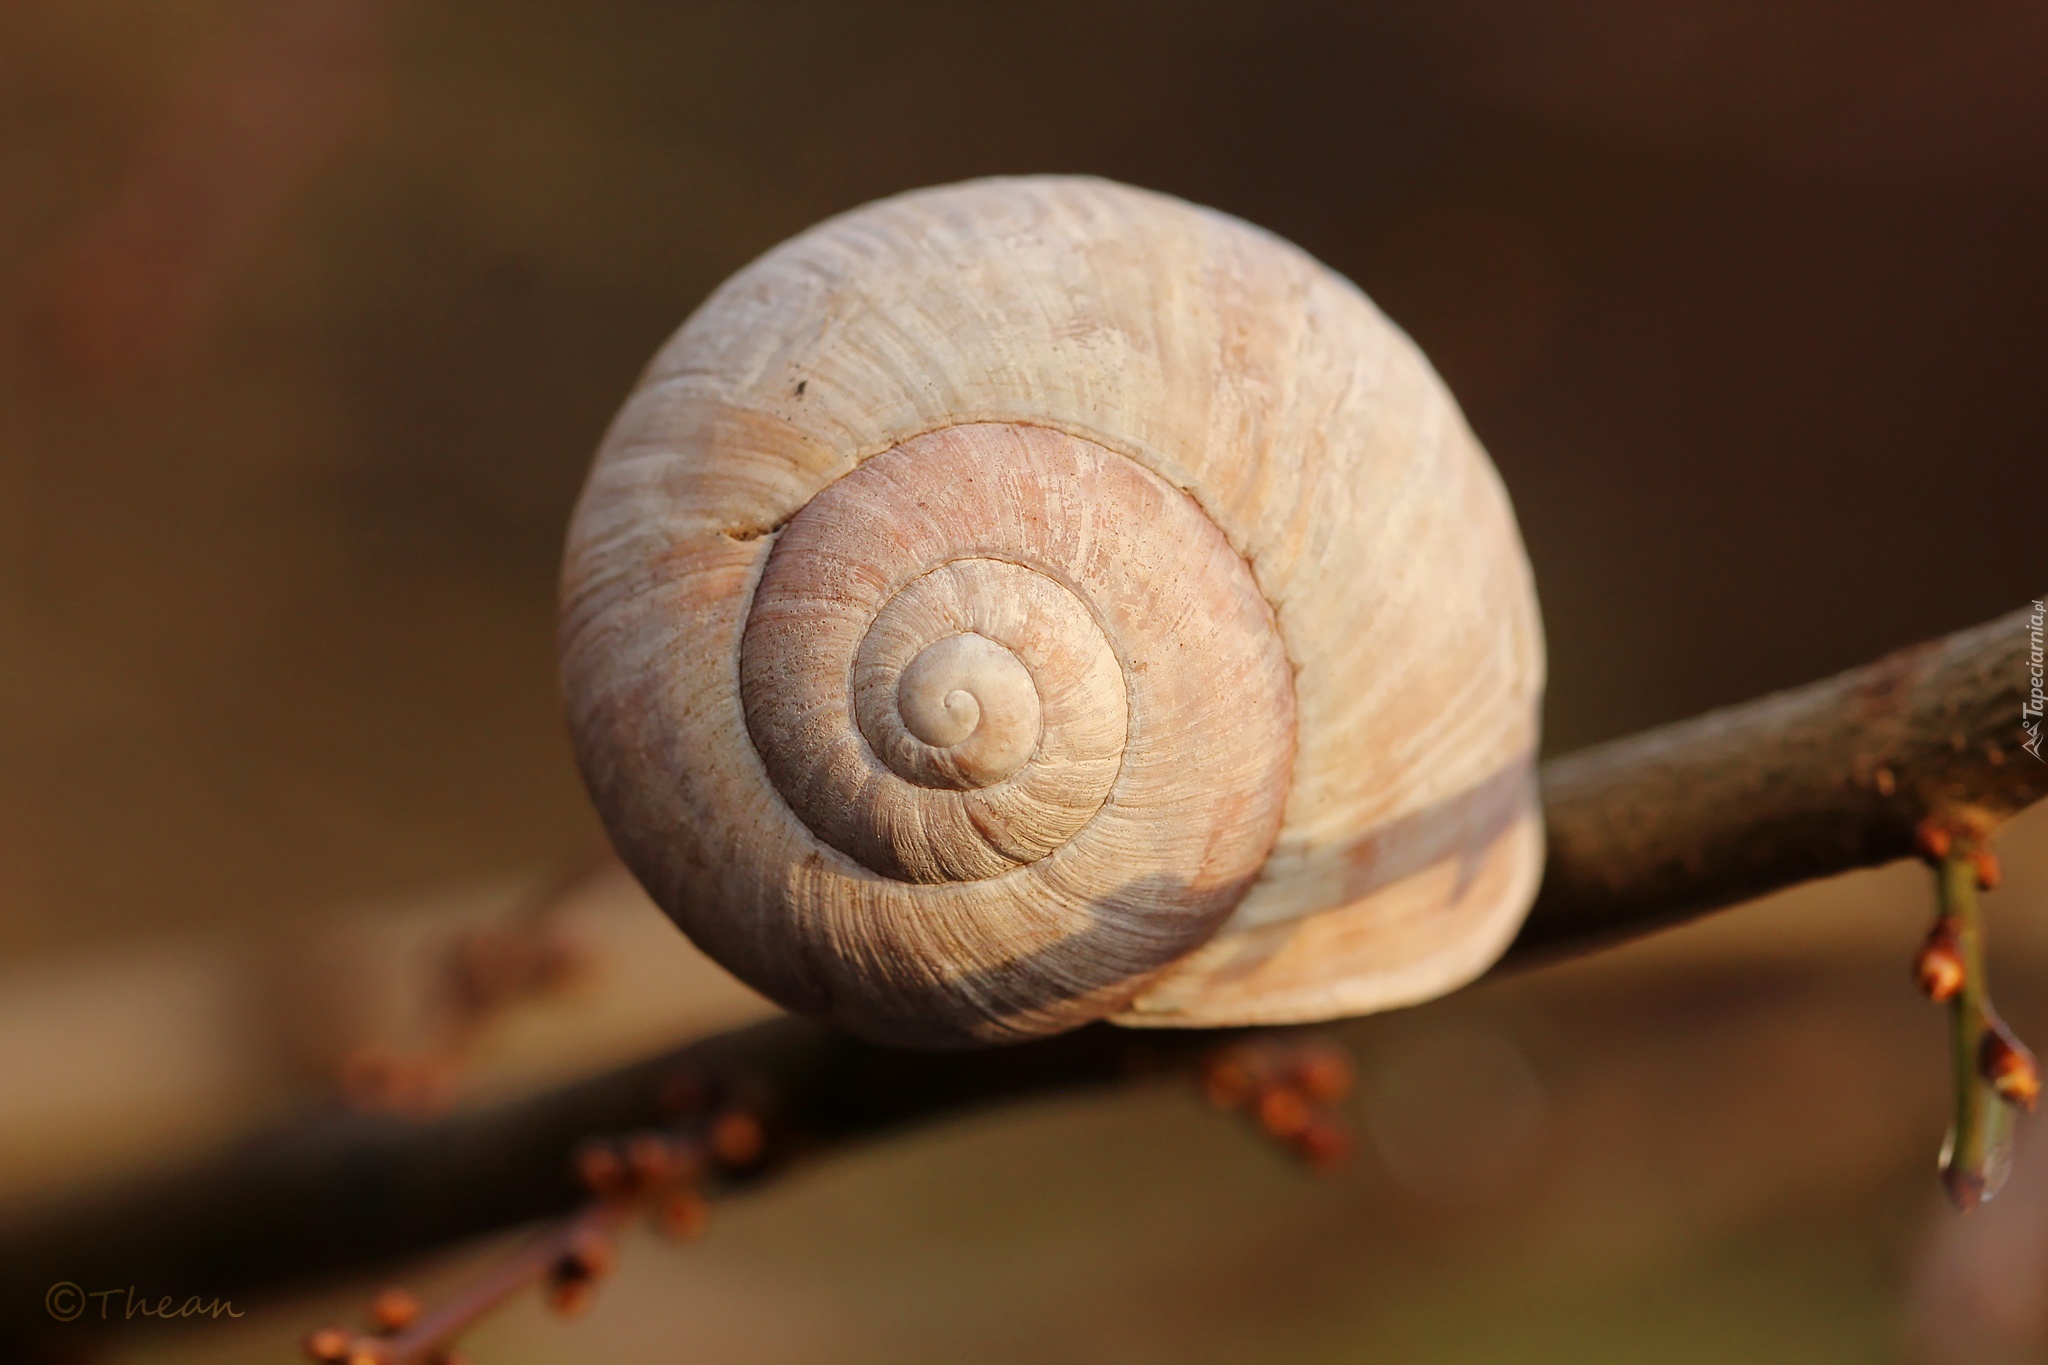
(1650, 830)
(580, 1239)
(1643, 832)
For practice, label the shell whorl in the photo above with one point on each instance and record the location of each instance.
(923, 673)
(999, 662)
(1026, 601)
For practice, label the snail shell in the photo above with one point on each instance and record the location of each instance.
(1022, 602)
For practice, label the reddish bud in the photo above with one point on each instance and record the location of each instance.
(648, 1158)
(1989, 874)
(570, 1297)
(1283, 1112)
(1324, 1075)
(736, 1138)
(1227, 1082)
(600, 1168)
(1933, 840)
(1324, 1144)
(394, 1310)
(1939, 966)
(2006, 1063)
(590, 1255)
(682, 1214)
(370, 1076)
(1965, 1187)
(572, 1278)
(329, 1344)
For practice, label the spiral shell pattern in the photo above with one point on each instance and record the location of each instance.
(1021, 602)
(999, 651)
(987, 715)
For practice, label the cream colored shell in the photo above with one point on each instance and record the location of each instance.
(1030, 600)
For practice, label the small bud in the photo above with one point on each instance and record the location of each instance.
(1324, 1144)
(328, 1345)
(2006, 1063)
(682, 1214)
(1965, 1189)
(1283, 1112)
(571, 1297)
(648, 1158)
(370, 1077)
(1226, 1082)
(736, 1138)
(1989, 874)
(394, 1310)
(1324, 1075)
(572, 1278)
(590, 1256)
(1939, 966)
(1933, 840)
(600, 1168)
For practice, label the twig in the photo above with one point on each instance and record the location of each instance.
(1643, 832)
(482, 975)
(1287, 1087)
(426, 1338)
(1994, 1072)
(1654, 829)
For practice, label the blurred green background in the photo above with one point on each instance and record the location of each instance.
(315, 309)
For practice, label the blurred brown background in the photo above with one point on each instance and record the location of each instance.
(314, 310)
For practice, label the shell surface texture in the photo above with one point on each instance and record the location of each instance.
(1037, 600)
